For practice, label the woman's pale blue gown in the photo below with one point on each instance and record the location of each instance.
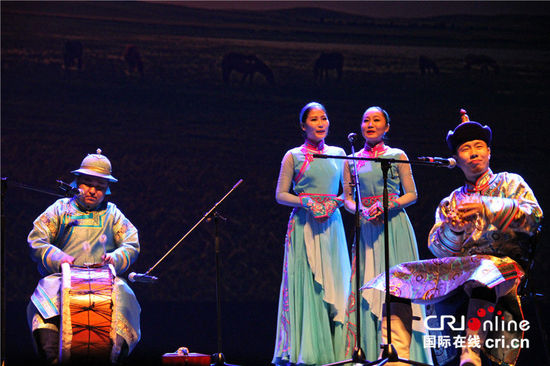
(402, 248)
(316, 270)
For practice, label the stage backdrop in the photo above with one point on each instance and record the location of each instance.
(179, 137)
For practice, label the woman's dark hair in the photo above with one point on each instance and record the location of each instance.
(382, 110)
(307, 108)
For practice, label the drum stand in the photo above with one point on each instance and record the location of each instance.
(389, 354)
(217, 359)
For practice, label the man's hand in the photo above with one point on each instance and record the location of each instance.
(463, 217)
(455, 222)
(469, 211)
(66, 259)
(108, 259)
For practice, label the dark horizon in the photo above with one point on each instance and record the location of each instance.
(387, 9)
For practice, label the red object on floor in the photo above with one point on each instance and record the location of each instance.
(190, 359)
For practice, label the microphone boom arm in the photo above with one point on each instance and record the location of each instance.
(7, 183)
(380, 160)
(205, 216)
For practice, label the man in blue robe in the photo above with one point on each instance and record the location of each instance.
(84, 230)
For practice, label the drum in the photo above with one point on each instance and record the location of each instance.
(86, 313)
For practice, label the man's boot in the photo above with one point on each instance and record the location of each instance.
(470, 356)
(401, 327)
(47, 343)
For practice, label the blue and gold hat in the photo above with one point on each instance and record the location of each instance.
(467, 131)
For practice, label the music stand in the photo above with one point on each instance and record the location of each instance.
(389, 353)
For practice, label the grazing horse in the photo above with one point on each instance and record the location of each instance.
(72, 51)
(325, 63)
(427, 65)
(132, 57)
(482, 62)
(247, 65)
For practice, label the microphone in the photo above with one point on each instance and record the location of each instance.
(69, 190)
(141, 277)
(74, 192)
(446, 162)
(352, 137)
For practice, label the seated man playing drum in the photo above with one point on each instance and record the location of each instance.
(479, 237)
(87, 232)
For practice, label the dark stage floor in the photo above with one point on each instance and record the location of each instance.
(248, 333)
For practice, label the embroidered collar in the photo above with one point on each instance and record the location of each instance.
(375, 151)
(482, 182)
(308, 149)
(371, 152)
(309, 145)
(82, 208)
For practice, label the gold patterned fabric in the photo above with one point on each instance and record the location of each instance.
(489, 253)
(511, 215)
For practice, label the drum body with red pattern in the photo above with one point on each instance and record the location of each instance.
(87, 313)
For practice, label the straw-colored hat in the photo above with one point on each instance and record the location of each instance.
(96, 165)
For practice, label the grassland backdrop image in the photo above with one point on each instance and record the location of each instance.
(179, 137)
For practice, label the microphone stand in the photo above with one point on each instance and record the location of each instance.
(358, 355)
(2, 276)
(5, 184)
(217, 359)
(389, 354)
